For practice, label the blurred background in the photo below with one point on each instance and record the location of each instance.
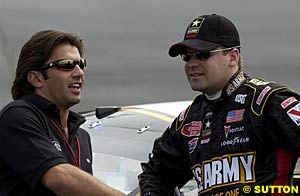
(127, 43)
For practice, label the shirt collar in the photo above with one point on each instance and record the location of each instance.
(40, 102)
(50, 108)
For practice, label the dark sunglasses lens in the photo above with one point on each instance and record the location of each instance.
(65, 64)
(203, 55)
(70, 64)
(199, 55)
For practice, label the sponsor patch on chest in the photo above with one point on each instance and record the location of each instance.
(228, 130)
(192, 145)
(235, 116)
(224, 171)
(240, 98)
(206, 132)
(192, 129)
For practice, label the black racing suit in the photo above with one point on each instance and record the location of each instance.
(249, 136)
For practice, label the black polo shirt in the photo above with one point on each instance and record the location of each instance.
(32, 141)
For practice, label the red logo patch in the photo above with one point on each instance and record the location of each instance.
(262, 94)
(226, 129)
(192, 129)
(288, 102)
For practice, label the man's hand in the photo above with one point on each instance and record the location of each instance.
(66, 179)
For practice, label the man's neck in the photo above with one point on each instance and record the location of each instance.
(215, 96)
(64, 114)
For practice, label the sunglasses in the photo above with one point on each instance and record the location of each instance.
(202, 55)
(65, 64)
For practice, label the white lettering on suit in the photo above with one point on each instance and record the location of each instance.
(225, 170)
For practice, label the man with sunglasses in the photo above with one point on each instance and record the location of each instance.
(240, 133)
(43, 151)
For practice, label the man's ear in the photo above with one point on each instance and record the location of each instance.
(234, 57)
(35, 78)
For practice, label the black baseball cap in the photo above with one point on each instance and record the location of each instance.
(206, 33)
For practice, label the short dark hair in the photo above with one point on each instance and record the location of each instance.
(35, 52)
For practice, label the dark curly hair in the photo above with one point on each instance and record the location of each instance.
(35, 52)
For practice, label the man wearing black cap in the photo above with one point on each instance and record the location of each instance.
(238, 135)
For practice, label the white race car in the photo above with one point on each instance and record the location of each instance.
(122, 138)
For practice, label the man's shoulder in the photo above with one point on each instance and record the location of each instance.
(260, 83)
(265, 87)
(263, 91)
(82, 133)
(18, 107)
(16, 104)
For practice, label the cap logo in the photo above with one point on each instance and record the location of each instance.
(193, 28)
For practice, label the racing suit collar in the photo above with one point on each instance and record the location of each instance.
(214, 96)
(231, 86)
(234, 83)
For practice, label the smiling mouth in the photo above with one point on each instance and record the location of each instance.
(196, 74)
(76, 86)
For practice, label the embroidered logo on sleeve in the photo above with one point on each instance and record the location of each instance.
(288, 102)
(294, 114)
(262, 95)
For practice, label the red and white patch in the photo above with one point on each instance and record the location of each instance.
(205, 139)
(192, 144)
(294, 114)
(262, 95)
(192, 129)
(181, 115)
(226, 129)
(288, 102)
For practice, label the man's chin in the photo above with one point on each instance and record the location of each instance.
(74, 102)
(196, 88)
